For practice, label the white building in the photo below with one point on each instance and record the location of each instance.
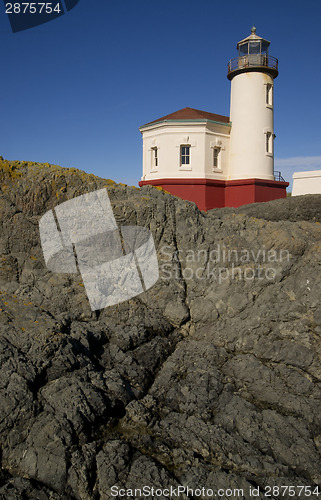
(308, 182)
(216, 160)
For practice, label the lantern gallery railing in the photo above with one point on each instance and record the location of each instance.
(253, 60)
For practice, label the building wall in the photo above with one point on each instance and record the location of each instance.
(168, 138)
(211, 193)
(306, 183)
(252, 119)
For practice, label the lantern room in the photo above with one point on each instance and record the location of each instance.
(253, 54)
(253, 45)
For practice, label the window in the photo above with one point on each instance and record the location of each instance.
(217, 158)
(254, 47)
(269, 94)
(185, 155)
(154, 158)
(269, 143)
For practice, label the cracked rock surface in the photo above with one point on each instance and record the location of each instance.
(211, 379)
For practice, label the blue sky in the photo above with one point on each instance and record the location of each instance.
(75, 90)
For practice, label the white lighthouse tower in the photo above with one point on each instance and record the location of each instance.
(252, 76)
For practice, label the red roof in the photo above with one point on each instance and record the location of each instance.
(192, 114)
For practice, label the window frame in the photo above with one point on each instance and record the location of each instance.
(269, 95)
(181, 155)
(269, 143)
(155, 157)
(217, 152)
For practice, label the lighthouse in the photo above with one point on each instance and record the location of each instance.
(215, 160)
(252, 76)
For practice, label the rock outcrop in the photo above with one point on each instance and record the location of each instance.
(211, 379)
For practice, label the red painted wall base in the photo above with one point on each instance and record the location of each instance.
(209, 193)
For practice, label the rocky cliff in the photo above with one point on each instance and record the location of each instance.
(211, 379)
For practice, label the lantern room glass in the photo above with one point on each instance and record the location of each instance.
(253, 47)
(244, 49)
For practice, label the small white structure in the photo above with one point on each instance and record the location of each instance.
(308, 182)
(217, 160)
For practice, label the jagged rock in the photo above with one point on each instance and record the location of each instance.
(210, 379)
